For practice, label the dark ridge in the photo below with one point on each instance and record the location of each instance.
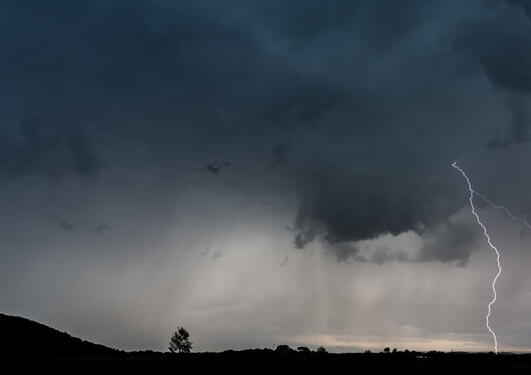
(22, 337)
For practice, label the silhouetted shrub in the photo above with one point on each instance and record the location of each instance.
(303, 349)
(180, 341)
(283, 349)
(321, 349)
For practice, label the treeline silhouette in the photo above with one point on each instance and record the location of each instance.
(24, 339)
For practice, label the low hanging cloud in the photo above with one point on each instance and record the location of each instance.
(451, 241)
(384, 255)
(361, 207)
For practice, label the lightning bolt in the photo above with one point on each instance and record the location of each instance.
(471, 199)
(505, 209)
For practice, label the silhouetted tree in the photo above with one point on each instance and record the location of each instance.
(180, 341)
(303, 349)
(321, 349)
(387, 350)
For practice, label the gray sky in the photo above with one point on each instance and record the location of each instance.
(265, 172)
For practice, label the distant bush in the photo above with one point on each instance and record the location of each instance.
(283, 349)
(321, 349)
(303, 349)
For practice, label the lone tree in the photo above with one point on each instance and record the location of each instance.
(180, 341)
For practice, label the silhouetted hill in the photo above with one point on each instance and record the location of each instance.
(21, 337)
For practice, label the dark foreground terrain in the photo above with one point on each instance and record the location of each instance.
(27, 342)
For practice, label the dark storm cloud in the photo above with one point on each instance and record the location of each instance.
(362, 87)
(303, 101)
(66, 225)
(101, 227)
(452, 241)
(500, 42)
(305, 236)
(86, 162)
(49, 149)
(280, 153)
(345, 206)
(304, 23)
(501, 46)
(526, 7)
(518, 131)
(215, 167)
